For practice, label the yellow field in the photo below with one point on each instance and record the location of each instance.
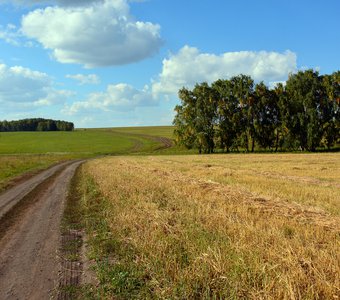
(218, 226)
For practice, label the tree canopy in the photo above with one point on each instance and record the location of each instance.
(236, 113)
(36, 124)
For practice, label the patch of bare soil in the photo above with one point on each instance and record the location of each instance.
(30, 240)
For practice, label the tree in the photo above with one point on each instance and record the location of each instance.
(205, 121)
(37, 124)
(267, 117)
(282, 131)
(306, 95)
(229, 114)
(195, 118)
(185, 133)
(331, 109)
(228, 111)
(243, 90)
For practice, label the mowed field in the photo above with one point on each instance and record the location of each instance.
(22, 152)
(261, 226)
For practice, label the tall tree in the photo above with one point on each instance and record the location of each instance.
(304, 113)
(267, 118)
(206, 103)
(331, 109)
(243, 90)
(306, 95)
(185, 131)
(195, 118)
(228, 114)
(281, 130)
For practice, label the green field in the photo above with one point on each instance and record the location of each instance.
(22, 152)
(159, 131)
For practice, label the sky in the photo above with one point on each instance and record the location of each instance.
(114, 63)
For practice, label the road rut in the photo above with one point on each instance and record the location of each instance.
(29, 265)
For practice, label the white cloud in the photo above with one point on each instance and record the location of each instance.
(119, 97)
(10, 34)
(22, 88)
(76, 2)
(43, 2)
(85, 79)
(13, 36)
(190, 66)
(187, 68)
(101, 34)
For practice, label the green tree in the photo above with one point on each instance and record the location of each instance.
(185, 131)
(267, 119)
(306, 95)
(331, 109)
(205, 108)
(243, 91)
(229, 114)
(195, 118)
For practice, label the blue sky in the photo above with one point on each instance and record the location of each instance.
(106, 63)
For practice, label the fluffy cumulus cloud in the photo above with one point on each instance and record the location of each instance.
(119, 97)
(101, 34)
(190, 66)
(84, 79)
(22, 88)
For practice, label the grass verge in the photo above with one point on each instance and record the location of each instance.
(15, 168)
(71, 285)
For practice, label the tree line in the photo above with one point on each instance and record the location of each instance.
(36, 124)
(237, 114)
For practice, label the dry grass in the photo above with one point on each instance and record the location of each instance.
(222, 226)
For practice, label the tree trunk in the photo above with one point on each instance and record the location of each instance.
(277, 140)
(252, 144)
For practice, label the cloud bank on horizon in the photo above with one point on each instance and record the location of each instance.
(104, 33)
(185, 69)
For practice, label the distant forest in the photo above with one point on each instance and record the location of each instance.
(239, 115)
(37, 124)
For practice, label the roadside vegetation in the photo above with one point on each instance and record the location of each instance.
(213, 227)
(14, 168)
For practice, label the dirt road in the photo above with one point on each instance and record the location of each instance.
(30, 215)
